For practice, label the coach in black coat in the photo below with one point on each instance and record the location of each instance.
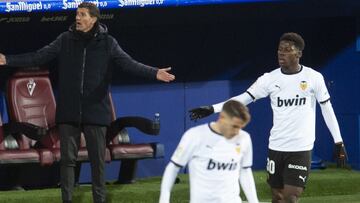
(86, 54)
(85, 62)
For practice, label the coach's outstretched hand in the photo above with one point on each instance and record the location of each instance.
(201, 112)
(340, 155)
(2, 59)
(164, 75)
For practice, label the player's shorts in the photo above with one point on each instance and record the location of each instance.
(288, 168)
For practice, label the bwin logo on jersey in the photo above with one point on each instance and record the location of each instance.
(214, 165)
(291, 102)
(31, 86)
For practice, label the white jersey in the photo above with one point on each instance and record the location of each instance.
(293, 101)
(214, 163)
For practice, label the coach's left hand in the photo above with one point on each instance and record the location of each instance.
(164, 76)
(2, 59)
(340, 155)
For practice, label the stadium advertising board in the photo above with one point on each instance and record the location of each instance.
(12, 6)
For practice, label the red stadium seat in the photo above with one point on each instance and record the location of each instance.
(10, 152)
(31, 100)
(15, 161)
(118, 142)
(31, 105)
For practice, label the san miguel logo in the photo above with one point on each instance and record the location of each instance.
(303, 85)
(31, 86)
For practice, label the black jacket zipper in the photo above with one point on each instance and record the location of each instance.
(82, 84)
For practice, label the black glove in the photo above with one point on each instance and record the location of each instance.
(201, 112)
(340, 155)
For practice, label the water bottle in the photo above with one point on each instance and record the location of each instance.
(156, 123)
(157, 118)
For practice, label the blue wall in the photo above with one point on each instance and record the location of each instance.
(342, 75)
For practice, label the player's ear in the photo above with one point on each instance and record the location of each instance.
(243, 124)
(222, 116)
(299, 54)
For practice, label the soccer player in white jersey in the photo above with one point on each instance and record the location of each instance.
(293, 90)
(219, 156)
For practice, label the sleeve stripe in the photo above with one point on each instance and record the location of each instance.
(176, 164)
(245, 167)
(323, 102)
(252, 96)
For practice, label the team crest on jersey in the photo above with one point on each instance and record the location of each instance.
(237, 149)
(31, 86)
(303, 85)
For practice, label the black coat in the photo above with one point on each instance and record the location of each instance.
(84, 71)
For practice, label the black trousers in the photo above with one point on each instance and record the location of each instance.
(69, 146)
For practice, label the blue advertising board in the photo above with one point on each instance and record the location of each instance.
(11, 6)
